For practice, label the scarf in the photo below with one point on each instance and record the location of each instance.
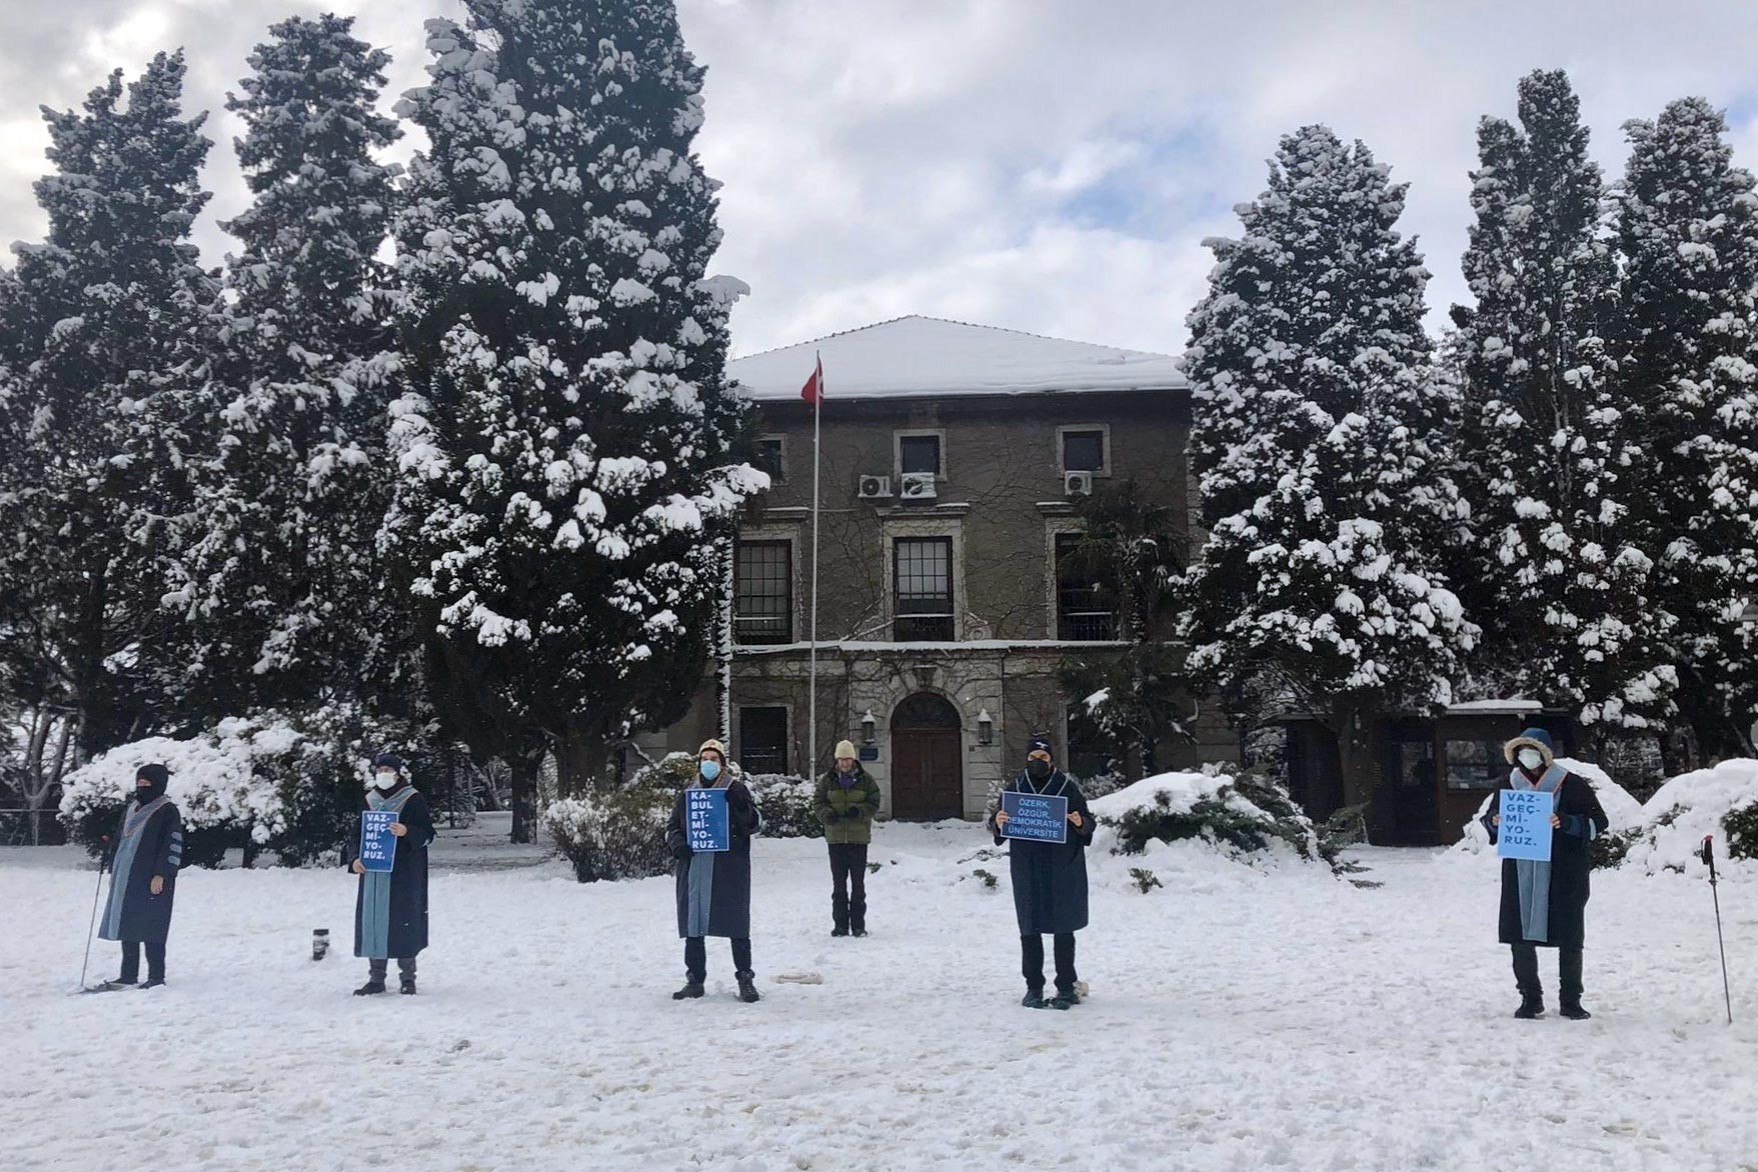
(375, 886)
(1532, 875)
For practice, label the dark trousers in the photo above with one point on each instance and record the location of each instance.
(696, 958)
(378, 967)
(131, 961)
(848, 874)
(1031, 950)
(1568, 972)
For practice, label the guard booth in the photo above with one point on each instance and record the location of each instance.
(1433, 774)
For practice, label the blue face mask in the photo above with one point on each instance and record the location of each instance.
(710, 770)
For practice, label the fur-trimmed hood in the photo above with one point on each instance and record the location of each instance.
(1532, 738)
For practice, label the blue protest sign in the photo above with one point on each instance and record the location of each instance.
(1525, 830)
(1035, 817)
(378, 846)
(705, 822)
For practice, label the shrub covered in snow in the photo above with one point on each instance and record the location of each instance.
(1246, 818)
(673, 771)
(1722, 801)
(225, 800)
(787, 804)
(290, 786)
(614, 833)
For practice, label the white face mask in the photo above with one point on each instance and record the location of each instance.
(1531, 758)
(386, 779)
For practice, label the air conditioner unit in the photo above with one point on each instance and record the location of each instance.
(918, 486)
(1077, 484)
(875, 488)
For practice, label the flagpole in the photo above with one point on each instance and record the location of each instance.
(812, 672)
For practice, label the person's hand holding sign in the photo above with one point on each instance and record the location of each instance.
(398, 830)
(358, 867)
(1556, 822)
(1001, 819)
(157, 886)
(1074, 819)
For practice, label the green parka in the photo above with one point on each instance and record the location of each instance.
(847, 810)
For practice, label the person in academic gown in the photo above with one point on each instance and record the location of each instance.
(714, 888)
(1544, 905)
(144, 861)
(390, 910)
(1049, 878)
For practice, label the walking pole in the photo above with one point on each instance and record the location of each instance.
(1709, 858)
(103, 865)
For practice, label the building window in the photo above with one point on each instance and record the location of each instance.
(772, 458)
(763, 604)
(919, 453)
(1089, 749)
(763, 740)
(1084, 612)
(1475, 765)
(1083, 450)
(922, 572)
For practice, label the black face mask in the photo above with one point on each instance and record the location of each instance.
(1037, 770)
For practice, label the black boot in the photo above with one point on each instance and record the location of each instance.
(748, 989)
(1531, 1007)
(861, 931)
(692, 989)
(408, 987)
(152, 982)
(1573, 1011)
(1065, 999)
(839, 930)
(373, 985)
(1034, 998)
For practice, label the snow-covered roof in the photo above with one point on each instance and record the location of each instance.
(921, 357)
(1468, 707)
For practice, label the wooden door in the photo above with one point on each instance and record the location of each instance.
(927, 760)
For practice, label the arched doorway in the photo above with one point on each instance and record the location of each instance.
(927, 759)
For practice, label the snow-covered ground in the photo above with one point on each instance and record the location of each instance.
(1237, 1020)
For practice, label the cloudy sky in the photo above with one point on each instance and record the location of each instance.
(1046, 165)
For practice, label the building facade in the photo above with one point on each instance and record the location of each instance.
(952, 458)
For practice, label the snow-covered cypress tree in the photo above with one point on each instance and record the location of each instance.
(279, 587)
(114, 323)
(1315, 442)
(1564, 583)
(1688, 235)
(565, 447)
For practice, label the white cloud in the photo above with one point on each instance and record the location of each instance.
(959, 156)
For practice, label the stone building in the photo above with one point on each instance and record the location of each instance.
(952, 459)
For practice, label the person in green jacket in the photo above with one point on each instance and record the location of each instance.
(846, 800)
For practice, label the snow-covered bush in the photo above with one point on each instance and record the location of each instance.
(674, 771)
(1722, 801)
(614, 833)
(1246, 818)
(225, 800)
(787, 804)
(286, 785)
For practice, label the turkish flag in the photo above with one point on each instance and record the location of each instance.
(813, 391)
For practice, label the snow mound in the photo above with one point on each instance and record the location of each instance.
(1694, 805)
(1185, 823)
(1623, 810)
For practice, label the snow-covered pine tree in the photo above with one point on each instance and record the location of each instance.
(1564, 584)
(1314, 440)
(566, 446)
(1688, 362)
(112, 328)
(279, 592)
